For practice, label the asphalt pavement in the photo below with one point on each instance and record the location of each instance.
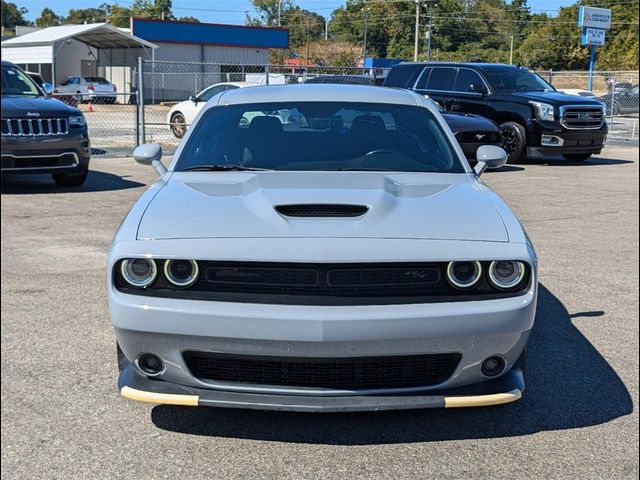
(62, 416)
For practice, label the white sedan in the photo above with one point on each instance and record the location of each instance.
(182, 114)
(321, 248)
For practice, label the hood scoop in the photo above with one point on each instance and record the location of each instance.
(321, 210)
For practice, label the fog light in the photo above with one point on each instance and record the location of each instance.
(150, 364)
(493, 366)
(551, 141)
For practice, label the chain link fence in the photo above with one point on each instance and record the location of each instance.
(618, 91)
(173, 93)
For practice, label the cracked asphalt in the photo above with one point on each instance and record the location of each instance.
(62, 417)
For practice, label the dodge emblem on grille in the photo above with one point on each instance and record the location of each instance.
(33, 114)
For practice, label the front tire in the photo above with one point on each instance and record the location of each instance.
(71, 179)
(514, 141)
(178, 125)
(577, 157)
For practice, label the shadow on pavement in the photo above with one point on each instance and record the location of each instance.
(561, 162)
(17, 184)
(569, 385)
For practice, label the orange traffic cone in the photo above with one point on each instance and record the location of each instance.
(90, 106)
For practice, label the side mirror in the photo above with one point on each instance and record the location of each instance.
(193, 98)
(489, 156)
(150, 154)
(478, 88)
(48, 88)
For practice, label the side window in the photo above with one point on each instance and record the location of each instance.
(465, 79)
(74, 81)
(441, 78)
(422, 81)
(403, 76)
(210, 93)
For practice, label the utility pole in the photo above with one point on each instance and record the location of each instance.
(308, 35)
(279, 13)
(417, 31)
(511, 52)
(364, 46)
(429, 34)
(326, 29)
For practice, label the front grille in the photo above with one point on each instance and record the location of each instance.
(33, 127)
(322, 210)
(321, 283)
(39, 161)
(331, 373)
(317, 280)
(582, 117)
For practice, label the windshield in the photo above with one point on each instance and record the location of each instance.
(306, 136)
(17, 83)
(517, 80)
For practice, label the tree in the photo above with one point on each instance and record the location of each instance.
(13, 15)
(48, 18)
(268, 12)
(89, 15)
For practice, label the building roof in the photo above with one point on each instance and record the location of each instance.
(98, 35)
(170, 31)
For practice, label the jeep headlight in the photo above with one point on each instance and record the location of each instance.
(544, 111)
(77, 121)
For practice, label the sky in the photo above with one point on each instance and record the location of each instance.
(230, 11)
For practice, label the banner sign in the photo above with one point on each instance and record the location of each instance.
(593, 36)
(592, 17)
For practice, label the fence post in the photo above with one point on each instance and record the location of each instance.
(266, 71)
(141, 139)
(136, 109)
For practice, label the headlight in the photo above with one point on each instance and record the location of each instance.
(77, 120)
(464, 274)
(544, 111)
(139, 272)
(181, 273)
(506, 274)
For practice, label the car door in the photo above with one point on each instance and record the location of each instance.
(440, 82)
(469, 94)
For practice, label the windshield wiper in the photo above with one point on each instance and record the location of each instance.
(225, 167)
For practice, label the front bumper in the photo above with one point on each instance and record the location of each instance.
(572, 141)
(47, 154)
(168, 328)
(505, 389)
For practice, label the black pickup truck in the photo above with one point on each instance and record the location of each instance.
(534, 118)
(41, 134)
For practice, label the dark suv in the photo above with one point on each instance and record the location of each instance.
(41, 134)
(533, 117)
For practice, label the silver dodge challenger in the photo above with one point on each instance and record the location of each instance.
(321, 248)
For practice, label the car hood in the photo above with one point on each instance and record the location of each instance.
(242, 205)
(467, 122)
(47, 107)
(555, 98)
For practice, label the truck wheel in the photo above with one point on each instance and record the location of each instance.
(71, 179)
(577, 157)
(514, 141)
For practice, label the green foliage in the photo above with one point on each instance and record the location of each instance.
(48, 18)
(13, 15)
(304, 26)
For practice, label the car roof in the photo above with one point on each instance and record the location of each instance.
(479, 65)
(318, 92)
(6, 63)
